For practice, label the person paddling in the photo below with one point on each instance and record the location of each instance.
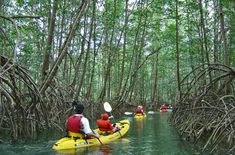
(105, 125)
(163, 108)
(139, 110)
(78, 123)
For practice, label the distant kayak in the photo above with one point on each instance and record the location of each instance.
(169, 110)
(165, 110)
(140, 116)
(151, 112)
(128, 113)
(76, 141)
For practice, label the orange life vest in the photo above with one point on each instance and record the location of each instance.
(104, 125)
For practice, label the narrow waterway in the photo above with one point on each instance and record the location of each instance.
(150, 136)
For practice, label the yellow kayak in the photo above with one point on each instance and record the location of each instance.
(76, 141)
(140, 116)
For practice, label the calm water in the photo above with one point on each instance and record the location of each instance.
(151, 136)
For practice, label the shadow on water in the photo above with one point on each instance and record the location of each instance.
(150, 136)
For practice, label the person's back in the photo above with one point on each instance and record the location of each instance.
(104, 123)
(74, 123)
(139, 110)
(77, 123)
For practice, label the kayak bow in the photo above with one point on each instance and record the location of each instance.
(140, 116)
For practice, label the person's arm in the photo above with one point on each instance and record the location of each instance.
(95, 134)
(87, 130)
(110, 126)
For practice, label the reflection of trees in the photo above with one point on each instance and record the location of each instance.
(106, 149)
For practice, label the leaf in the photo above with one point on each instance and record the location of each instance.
(20, 2)
(32, 2)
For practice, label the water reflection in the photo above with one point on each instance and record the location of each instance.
(139, 123)
(101, 150)
(72, 151)
(105, 150)
(121, 145)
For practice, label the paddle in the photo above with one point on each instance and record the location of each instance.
(128, 113)
(108, 108)
(97, 137)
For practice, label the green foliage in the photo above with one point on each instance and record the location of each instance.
(20, 2)
(151, 25)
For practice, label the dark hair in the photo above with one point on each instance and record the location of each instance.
(74, 103)
(78, 109)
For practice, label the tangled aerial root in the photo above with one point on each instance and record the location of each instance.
(21, 105)
(23, 110)
(205, 111)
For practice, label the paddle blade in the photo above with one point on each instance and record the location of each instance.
(128, 113)
(150, 112)
(107, 107)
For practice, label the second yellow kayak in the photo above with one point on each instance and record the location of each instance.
(140, 116)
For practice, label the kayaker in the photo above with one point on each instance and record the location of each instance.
(78, 123)
(169, 107)
(139, 110)
(105, 125)
(163, 108)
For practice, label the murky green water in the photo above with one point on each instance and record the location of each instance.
(151, 136)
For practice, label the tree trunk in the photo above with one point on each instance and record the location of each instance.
(215, 39)
(92, 28)
(224, 38)
(204, 33)
(226, 52)
(177, 49)
(86, 58)
(155, 82)
(122, 88)
(47, 51)
(63, 51)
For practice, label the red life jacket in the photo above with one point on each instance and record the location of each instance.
(163, 107)
(74, 124)
(104, 125)
(139, 110)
